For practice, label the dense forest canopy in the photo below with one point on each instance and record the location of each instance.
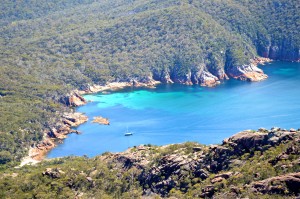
(49, 48)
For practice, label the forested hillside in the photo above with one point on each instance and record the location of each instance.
(49, 48)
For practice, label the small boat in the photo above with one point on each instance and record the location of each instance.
(128, 133)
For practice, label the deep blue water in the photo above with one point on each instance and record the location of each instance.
(178, 113)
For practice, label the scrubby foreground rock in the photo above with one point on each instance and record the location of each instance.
(250, 164)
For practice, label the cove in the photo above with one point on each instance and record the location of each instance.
(179, 113)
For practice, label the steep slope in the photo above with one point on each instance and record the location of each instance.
(188, 39)
(272, 26)
(49, 48)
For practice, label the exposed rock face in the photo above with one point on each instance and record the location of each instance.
(218, 159)
(147, 82)
(220, 74)
(64, 128)
(201, 162)
(74, 119)
(73, 99)
(279, 185)
(247, 73)
(183, 79)
(101, 120)
(279, 52)
(222, 176)
(294, 149)
(250, 162)
(208, 191)
(45, 145)
(163, 76)
(207, 79)
(206, 76)
(198, 76)
(128, 159)
(53, 173)
(40, 150)
(260, 60)
(169, 165)
(57, 133)
(258, 140)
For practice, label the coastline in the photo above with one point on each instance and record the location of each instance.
(55, 135)
(212, 165)
(69, 120)
(58, 133)
(113, 86)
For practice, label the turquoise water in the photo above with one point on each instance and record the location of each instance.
(178, 113)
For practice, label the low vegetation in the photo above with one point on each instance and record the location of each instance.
(49, 48)
(147, 170)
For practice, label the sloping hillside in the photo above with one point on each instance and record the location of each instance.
(49, 48)
(250, 164)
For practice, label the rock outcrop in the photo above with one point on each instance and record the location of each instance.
(74, 119)
(147, 82)
(209, 80)
(247, 164)
(184, 79)
(260, 60)
(220, 177)
(279, 52)
(258, 140)
(53, 172)
(73, 99)
(247, 73)
(55, 134)
(206, 76)
(288, 183)
(162, 173)
(165, 78)
(101, 120)
(198, 75)
(161, 177)
(36, 153)
(64, 127)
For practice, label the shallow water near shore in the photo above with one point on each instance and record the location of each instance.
(178, 113)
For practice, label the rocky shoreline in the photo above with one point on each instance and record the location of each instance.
(68, 120)
(261, 163)
(113, 86)
(55, 135)
(202, 77)
(250, 72)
